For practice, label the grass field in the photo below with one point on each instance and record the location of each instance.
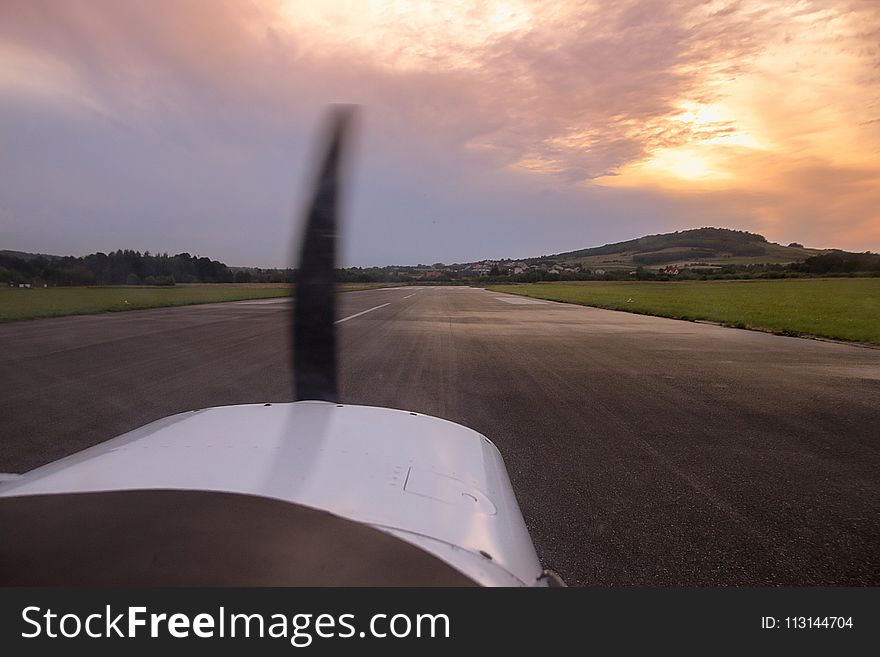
(841, 308)
(23, 303)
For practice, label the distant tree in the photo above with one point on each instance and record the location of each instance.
(11, 276)
(839, 263)
(119, 267)
(242, 276)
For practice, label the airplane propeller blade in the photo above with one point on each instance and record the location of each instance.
(314, 308)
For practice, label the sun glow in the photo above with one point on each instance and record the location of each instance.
(707, 144)
(685, 163)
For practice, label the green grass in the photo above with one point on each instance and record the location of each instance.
(23, 303)
(840, 308)
(18, 303)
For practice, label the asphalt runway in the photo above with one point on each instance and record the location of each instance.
(643, 451)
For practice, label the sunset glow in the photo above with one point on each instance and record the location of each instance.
(607, 120)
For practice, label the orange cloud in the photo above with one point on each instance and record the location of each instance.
(770, 109)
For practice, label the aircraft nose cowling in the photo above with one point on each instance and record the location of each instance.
(428, 481)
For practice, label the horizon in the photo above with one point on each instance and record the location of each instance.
(486, 130)
(443, 262)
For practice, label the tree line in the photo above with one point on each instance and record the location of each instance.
(127, 267)
(121, 267)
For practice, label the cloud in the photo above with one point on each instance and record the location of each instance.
(195, 120)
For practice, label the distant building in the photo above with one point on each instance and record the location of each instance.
(672, 270)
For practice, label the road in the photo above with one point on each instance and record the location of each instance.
(643, 451)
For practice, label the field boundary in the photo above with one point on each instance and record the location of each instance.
(115, 303)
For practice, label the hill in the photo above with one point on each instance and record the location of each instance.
(704, 246)
(24, 255)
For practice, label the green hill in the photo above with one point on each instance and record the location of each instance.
(710, 246)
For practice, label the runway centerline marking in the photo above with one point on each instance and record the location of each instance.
(363, 312)
(410, 295)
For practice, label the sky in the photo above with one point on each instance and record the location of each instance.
(491, 129)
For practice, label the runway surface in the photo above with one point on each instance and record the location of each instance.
(643, 451)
